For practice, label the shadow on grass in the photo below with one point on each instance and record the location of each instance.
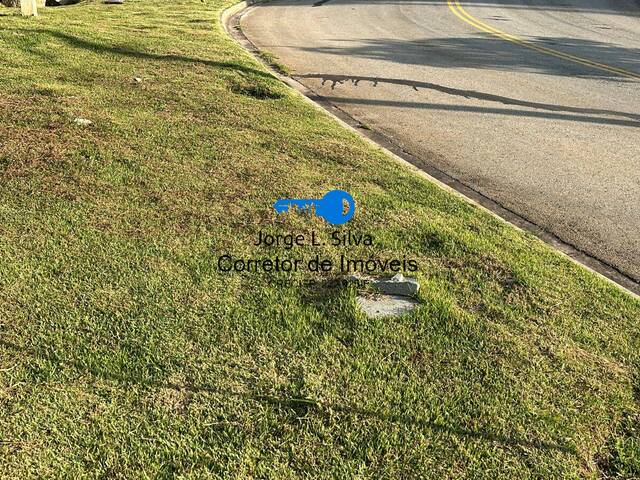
(302, 406)
(102, 48)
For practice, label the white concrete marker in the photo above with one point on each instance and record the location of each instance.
(29, 8)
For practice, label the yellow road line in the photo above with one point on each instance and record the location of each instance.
(456, 8)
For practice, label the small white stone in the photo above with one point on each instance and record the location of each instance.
(137, 79)
(83, 122)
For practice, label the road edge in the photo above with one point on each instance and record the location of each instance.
(230, 20)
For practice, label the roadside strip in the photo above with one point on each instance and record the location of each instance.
(230, 21)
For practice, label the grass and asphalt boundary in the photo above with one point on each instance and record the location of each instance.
(230, 20)
(125, 351)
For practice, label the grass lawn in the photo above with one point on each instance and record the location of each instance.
(126, 353)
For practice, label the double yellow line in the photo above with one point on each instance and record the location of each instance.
(462, 14)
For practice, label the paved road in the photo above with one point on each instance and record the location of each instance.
(532, 103)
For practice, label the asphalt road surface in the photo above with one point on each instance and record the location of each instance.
(532, 103)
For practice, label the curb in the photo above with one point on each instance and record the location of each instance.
(230, 20)
(227, 13)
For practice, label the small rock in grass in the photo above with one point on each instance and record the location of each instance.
(83, 122)
(137, 79)
(398, 285)
(386, 305)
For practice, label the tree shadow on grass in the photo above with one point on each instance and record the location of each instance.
(303, 406)
(123, 51)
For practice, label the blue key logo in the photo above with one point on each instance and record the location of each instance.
(331, 206)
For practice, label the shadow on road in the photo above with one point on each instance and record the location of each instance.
(559, 112)
(485, 52)
(336, 80)
(620, 7)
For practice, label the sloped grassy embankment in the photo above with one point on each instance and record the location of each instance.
(124, 352)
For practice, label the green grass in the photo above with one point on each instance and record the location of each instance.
(125, 353)
(273, 62)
